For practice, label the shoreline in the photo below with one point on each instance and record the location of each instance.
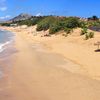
(6, 68)
(76, 66)
(6, 62)
(74, 48)
(9, 40)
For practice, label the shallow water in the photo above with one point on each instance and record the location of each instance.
(5, 38)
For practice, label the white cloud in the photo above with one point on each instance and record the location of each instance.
(5, 17)
(3, 8)
(38, 14)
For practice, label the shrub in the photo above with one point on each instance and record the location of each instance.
(71, 22)
(35, 20)
(54, 28)
(86, 36)
(43, 26)
(68, 30)
(24, 22)
(66, 24)
(83, 24)
(5, 24)
(45, 23)
(91, 35)
(83, 31)
(29, 22)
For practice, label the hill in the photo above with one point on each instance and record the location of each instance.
(22, 16)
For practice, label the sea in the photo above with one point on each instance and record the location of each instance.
(6, 38)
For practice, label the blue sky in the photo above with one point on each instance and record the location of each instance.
(83, 8)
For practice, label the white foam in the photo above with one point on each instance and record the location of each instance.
(10, 39)
(2, 30)
(2, 46)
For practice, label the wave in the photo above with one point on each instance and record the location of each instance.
(3, 45)
(6, 37)
(2, 29)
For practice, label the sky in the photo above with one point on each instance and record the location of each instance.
(82, 8)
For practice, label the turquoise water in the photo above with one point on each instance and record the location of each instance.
(5, 38)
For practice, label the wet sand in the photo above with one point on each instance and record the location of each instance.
(5, 69)
(38, 74)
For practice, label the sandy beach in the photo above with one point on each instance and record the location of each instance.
(52, 68)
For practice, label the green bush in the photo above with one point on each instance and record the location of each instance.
(86, 36)
(5, 24)
(68, 30)
(54, 28)
(83, 24)
(45, 23)
(43, 26)
(91, 35)
(56, 24)
(26, 22)
(29, 22)
(83, 31)
(71, 22)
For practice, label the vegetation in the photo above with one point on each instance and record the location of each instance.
(83, 24)
(91, 35)
(86, 36)
(5, 24)
(29, 22)
(71, 22)
(68, 30)
(45, 23)
(55, 24)
(83, 31)
(54, 28)
(93, 18)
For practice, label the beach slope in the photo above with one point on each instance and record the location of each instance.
(36, 75)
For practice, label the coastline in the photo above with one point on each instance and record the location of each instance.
(7, 50)
(44, 44)
(38, 72)
(74, 48)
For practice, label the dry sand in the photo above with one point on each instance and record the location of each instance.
(41, 71)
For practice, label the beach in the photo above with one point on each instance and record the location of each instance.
(52, 68)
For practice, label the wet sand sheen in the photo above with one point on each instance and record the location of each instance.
(36, 75)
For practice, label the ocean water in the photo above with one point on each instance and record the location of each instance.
(6, 38)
